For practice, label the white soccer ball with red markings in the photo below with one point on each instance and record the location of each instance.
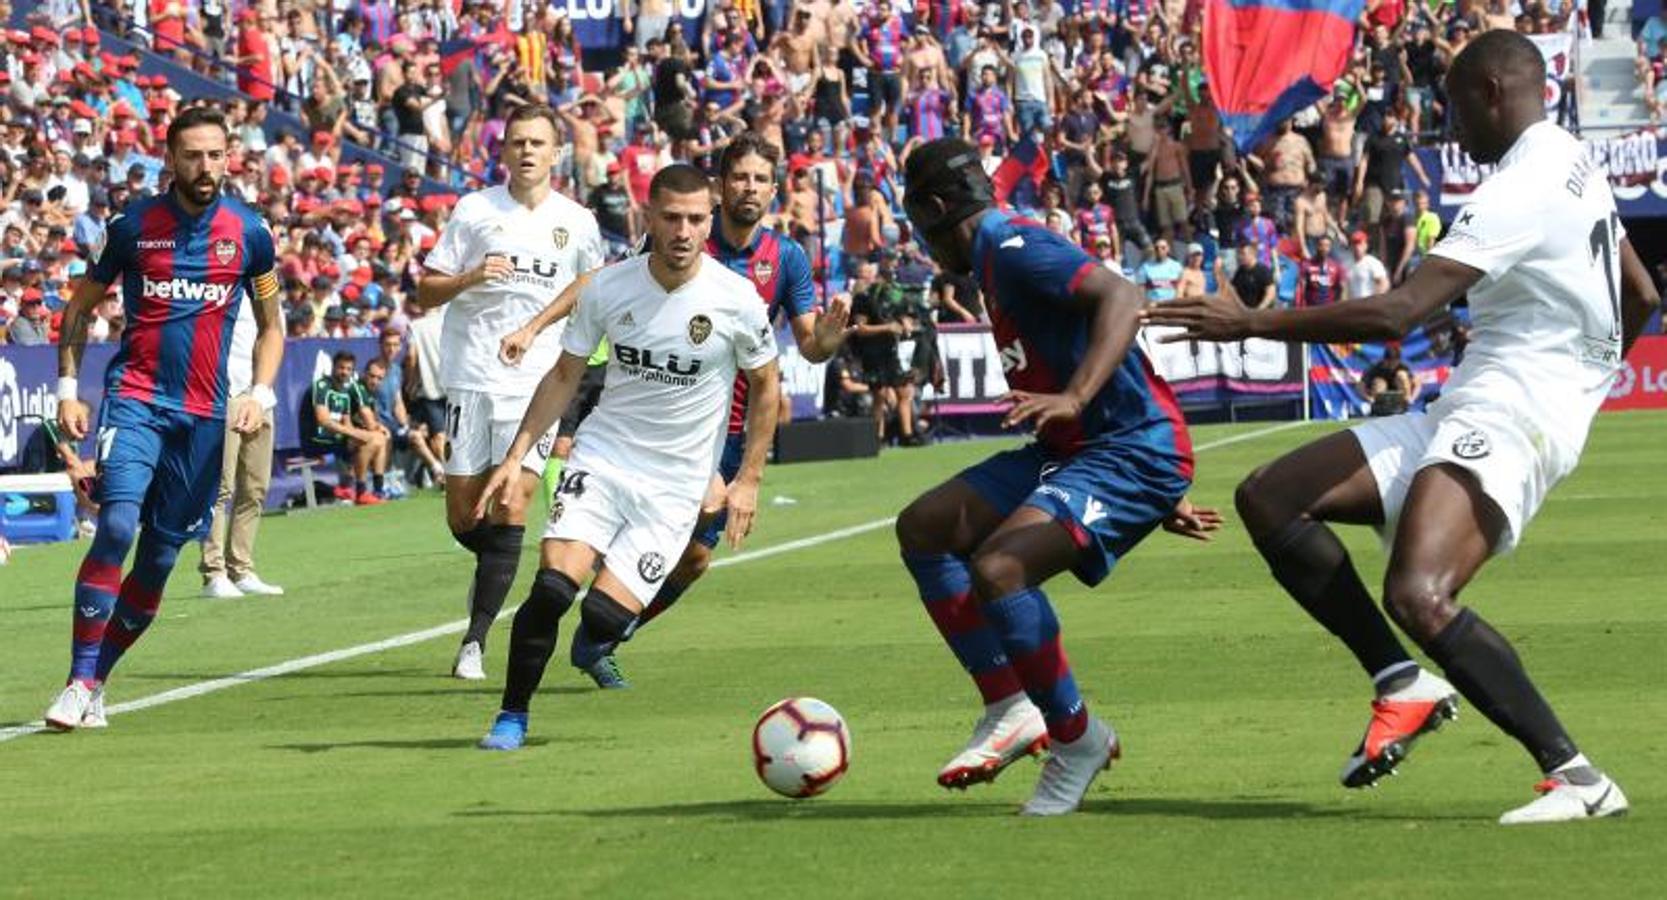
(801, 747)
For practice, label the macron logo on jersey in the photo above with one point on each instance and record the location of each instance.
(186, 289)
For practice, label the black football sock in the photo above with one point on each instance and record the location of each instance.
(1482, 665)
(376, 482)
(1314, 567)
(532, 639)
(497, 550)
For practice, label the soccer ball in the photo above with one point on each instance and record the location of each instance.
(800, 747)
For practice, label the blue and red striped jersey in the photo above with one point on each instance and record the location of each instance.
(1029, 274)
(184, 278)
(778, 268)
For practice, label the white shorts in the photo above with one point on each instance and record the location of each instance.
(480, 427)
(640, 535)
(1512, 459)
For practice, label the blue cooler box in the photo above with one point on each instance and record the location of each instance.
(37, 509)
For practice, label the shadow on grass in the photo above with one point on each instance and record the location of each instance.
(448, 743)
(774, 810)
(304, 673)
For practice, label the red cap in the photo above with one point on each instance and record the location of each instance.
(304, 205)
(352, 206)
(331, 271)
(120, 110)
(89, 35)
(323, 138)
(363, 274)
(72, 36)
(68, 246)
(279, 176)
(160, 132)
(248, 15)
(1358, 237)
(323, 173)
(18, 37)
(31, 295)
(85, 71)
(374, 168)
(43, 36)
(82, 110)
(350, 292)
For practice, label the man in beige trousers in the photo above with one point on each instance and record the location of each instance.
(228, 565)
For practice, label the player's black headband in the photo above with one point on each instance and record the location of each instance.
(957, 181)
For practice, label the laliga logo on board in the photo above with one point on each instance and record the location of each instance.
(1640, 379)
(600, 10)
(11, 407)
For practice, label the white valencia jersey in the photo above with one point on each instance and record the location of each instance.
(1546, 319)
(671, 369)
(548, 246)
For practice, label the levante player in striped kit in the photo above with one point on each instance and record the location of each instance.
(1111, 463)
(187, 260)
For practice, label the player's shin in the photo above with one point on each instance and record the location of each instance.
(1487, 671)
(140, 597)
(1314, 567)
(532, 640)
(946, 590)
(497, 550)
(97, 583)
(1024, 622)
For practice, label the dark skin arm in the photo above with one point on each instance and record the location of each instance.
(1115, 307)
(1383, 317)
(1639, 297)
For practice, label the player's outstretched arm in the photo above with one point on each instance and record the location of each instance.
(764, 389)
(555, 392)
(819, 336)
(1382, 317)
(514, 345)
(1116, 307)
(1639, 297)
(73, 415)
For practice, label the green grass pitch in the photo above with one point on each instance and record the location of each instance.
(358, 778)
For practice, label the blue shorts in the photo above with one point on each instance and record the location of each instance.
(1108, 495)
(729, 465)
(167, 461)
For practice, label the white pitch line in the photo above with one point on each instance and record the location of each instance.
(416, 637)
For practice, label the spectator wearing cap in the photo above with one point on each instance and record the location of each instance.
(1366, 275)
(616, 215)
(1160, 275)
(33, 325)
(127, 156)
(1399, 235)
(362, 124)
(1192, 282)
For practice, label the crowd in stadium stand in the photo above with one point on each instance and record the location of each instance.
(1136, 163)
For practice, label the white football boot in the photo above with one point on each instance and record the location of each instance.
(1008, 731)
(1582, 792)
(94, 716)
(1070, 769)
(221, 588)
(66, 712)
(468, 666)
(251, 584)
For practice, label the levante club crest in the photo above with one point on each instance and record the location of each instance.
(762, 270)
(224, 251)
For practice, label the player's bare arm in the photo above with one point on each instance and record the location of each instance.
(555, 392)
(819, 336)
(1115, 304)
(248, 411)
(514, 345)
(1383, 317)
(764, 386)
(1639, 297)
(437, 288)
(73, 415)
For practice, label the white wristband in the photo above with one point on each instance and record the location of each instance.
(67, 386)
(264, 396)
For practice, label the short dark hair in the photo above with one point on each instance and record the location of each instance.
(342, 356)
(526, 112)
(745, 144)
(196, 117)
(376, 364)
(678, 178)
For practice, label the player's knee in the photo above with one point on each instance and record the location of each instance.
(1421, 606)
(1256, 500)
(604, 618)
(915, 528)
(553, 592)
(118, 526)
(995, 574)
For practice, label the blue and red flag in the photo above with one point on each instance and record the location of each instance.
(1018, 179)
(1268, 59)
